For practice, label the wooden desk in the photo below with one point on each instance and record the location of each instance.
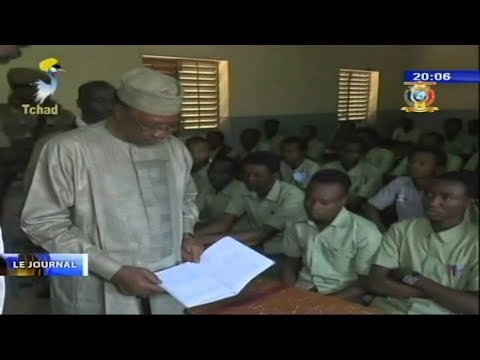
(268, 297)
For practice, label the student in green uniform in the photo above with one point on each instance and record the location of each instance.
(406, 132)
(383, 159)
(366, 179)
(316, 148)
(430, 265)
(472, 163)
(272, 140)
(406, 192)
(431, 139)
(456, 141)
(221, 175)
(296, 168)
(269, 205)
(249, 139)
(200, 151)
(329, 249)
(472, 136)
(216, 142)
(344, 131)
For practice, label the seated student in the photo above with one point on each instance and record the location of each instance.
(472, 163)
(431, 139)
(472, 212)
(366, 179)
(249, 139)
(383, 159)
(456, 141)
(406, 192)
(406, 132)
(345, 131)
(296, 169)
(315, 148)
(272, 140)
(216, 141)
(198, 148)
(269, 204)
(472, 136)
(221, 174)
(430, 265)
(329, 249)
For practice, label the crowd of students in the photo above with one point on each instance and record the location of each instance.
(391, 223)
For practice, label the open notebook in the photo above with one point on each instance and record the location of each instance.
(225, 268)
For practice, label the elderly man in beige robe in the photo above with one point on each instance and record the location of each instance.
(121, 192)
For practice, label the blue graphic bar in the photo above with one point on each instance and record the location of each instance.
(44, 264)
(443, 76)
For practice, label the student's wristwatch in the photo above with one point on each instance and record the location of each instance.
(412, 278)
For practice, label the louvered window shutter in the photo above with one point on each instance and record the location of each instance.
(199, 79)
(353, 95)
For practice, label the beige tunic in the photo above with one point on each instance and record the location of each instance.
(121, 204)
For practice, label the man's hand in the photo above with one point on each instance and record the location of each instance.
(136, 281)
(191, 249)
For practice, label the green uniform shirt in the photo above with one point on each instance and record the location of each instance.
(382, 159)
(366, 179)
(472, 163)
(300, 176)
(273, 144)
(461, 144)
(315, 151)
(471, 143)
(282, 204)
(449, 257)
(202, 183)
(335, 256)
(215, 204)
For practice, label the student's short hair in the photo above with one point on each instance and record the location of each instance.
(231, 163)
(302, 145)
(406, 120)
(439, 137)
(372, 133)
(251, 131)
(265, 158)
(195, 140)
(469, 179)
(273, 121)
(331, 176)
(217, 133)
(357, 141)
(440, 155)
(312, 128)
(88, 89)
(454, 120)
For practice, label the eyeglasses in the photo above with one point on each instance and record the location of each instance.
(159, 127)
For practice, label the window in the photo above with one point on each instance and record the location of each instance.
(200, 81)
(357, 95)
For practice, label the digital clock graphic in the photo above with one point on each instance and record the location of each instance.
(443, 76)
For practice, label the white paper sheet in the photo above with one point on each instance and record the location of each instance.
(225, 268)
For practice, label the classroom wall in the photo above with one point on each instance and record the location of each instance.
(296, 84)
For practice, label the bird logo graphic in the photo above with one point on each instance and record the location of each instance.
(52, 67)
